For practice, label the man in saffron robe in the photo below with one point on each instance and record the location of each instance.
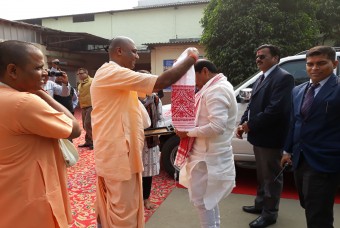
(118, 136)
(33, 186)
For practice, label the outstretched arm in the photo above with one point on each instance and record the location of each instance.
(169, 77)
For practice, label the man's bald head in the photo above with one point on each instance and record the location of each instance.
(123, 51)
(119, 42)
(21, 65)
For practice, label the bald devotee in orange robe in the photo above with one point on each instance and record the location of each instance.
(33, 180)
(118, 132)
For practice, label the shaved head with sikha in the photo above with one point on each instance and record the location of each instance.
(123, 51)
(21, 65)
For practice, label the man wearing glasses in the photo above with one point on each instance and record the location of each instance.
(85, 104)
(265, 122)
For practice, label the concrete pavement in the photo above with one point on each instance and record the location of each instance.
(177, 212)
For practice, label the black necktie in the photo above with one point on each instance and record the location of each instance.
(308, 100)
(259, 82)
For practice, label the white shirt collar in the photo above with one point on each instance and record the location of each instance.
(269, 71)
(321, 82)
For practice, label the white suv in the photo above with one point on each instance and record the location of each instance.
(243, 152)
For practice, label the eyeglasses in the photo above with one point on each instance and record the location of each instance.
(260, 57)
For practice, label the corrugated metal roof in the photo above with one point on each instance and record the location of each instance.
(57, 39)
(173, 4)
(51, 31)
(20, 23)
(174, 42)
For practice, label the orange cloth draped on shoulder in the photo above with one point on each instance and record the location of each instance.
(33, 179)
(118, 136)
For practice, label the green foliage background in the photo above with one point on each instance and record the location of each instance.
(232, 30)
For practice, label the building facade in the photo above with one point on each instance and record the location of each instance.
(72, 49)
(161, 29)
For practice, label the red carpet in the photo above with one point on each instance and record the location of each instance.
(82, 187)
(246, 184)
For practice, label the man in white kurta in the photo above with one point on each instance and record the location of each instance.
(209, 173)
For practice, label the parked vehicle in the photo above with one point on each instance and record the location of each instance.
(243, 152)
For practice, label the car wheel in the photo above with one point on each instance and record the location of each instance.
(168, 155)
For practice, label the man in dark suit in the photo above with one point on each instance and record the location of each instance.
(313, 142)
(266, 122)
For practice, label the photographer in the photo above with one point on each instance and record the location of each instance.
(70, 102)
(55, 68)
(53, 88)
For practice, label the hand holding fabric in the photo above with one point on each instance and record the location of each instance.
(193, 52)
(181, 134)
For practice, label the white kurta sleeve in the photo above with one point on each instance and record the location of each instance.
(217, 103)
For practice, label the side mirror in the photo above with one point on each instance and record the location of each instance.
(245, 94)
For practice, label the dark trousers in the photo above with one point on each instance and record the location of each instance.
(86, 118)
(147, 183)
(268, 192)
(317, 192)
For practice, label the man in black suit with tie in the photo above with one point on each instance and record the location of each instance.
(313, 142)
(266, 122)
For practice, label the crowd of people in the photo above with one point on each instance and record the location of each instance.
(298, 126)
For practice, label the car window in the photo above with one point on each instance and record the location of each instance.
(298, 69)
(338, 68)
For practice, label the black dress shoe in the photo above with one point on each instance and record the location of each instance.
(261, 222)
(85, 145)
(252, 209)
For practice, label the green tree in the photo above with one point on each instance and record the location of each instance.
(328, 16)
(232, 30)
